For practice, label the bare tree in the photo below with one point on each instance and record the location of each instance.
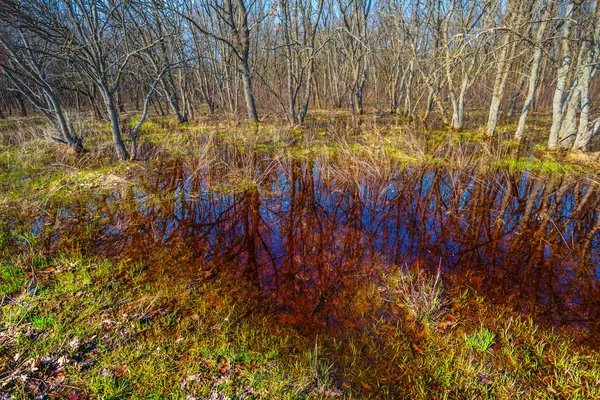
(92, 36)
(354, 39)
(32, 73)
(300, 23)
(506, 50)
(461, 53)
(561, 80)
(534, 69)
(228, 21)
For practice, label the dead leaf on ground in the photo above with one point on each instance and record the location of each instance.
(451, 318)
(419, 350)
(121, 371)
(225, 367)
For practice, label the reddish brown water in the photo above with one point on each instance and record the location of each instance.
(308, 240)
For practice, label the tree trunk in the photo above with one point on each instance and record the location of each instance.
(584, 133)
(507, 53)
(499, 86)
(533, 74)
(307, 93)
(115, 125)
(290, 64)
(561, 81)
(174, 103)
(568, 127)
(458, 114)
(21, 104)
(515, 97)
(248, 93)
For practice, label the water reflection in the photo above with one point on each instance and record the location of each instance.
(309, 238)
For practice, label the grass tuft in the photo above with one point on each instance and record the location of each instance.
(482, 340)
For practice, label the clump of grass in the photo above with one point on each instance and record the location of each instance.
(12, 278)
(421, 295)
(534, 165)
(481, 340)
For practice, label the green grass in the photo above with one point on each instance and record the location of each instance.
(12, 279)
(482, 340)
(42, 322)
(535, 165)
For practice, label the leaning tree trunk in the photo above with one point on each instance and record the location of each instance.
(169, 89)
(515, 97)
(533, 83)
(67, 136)
(21, 104)
(499, 86)
(115, 125)
(506, 55)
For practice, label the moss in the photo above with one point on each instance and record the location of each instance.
(511, 144)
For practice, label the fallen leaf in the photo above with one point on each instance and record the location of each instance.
(418, 349)
(472, 318)
(451, 318)
(366, 387)
(74, 343)
(225, 367)
(121, 371)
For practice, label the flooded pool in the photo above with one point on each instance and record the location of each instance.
(307, 237)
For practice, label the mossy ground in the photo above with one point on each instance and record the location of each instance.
(76, 326)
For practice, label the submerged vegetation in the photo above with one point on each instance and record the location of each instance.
(166, 278)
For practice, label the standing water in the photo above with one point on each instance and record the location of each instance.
(306, 238)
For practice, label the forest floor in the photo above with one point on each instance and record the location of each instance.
(78, 326)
